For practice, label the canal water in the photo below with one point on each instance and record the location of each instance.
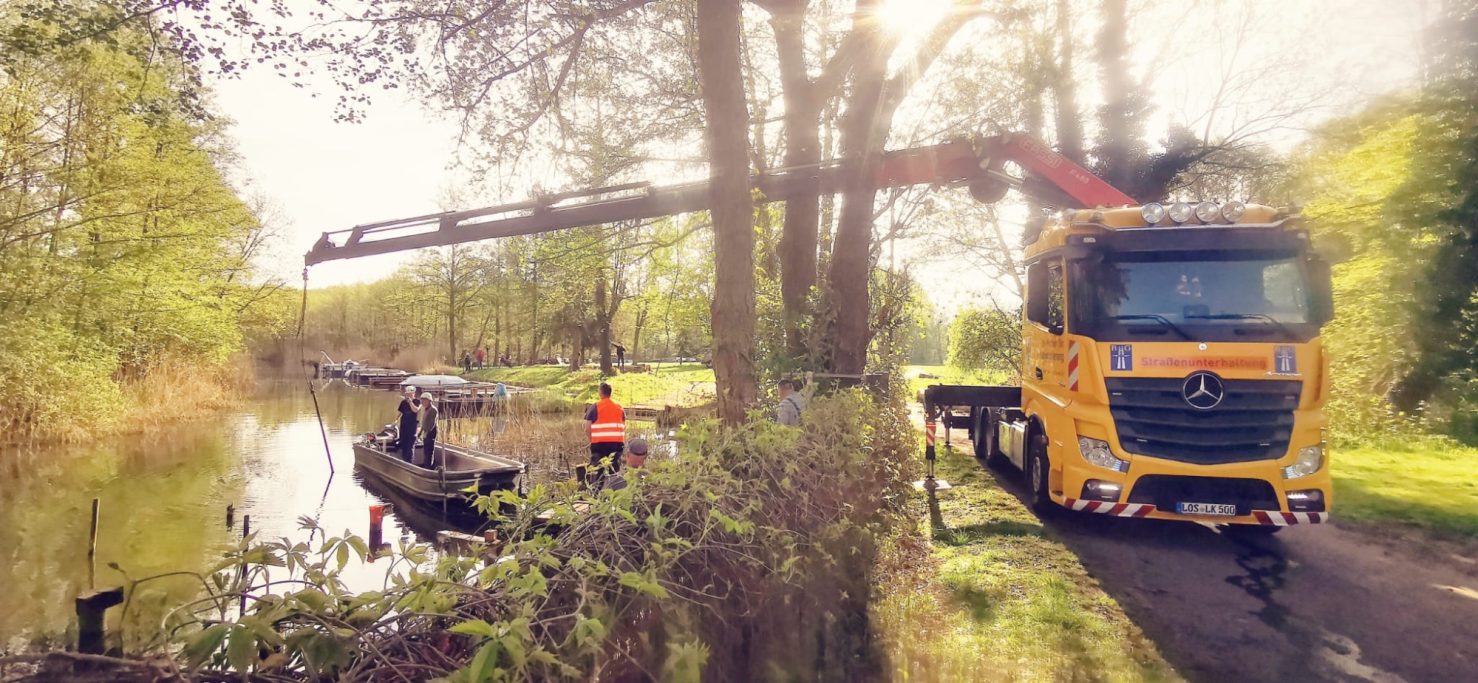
(164, 497)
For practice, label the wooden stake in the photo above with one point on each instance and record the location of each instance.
(245, 531)
(92, 546)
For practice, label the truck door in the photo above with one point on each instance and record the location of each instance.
(1044, 354)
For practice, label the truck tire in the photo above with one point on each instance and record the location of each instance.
(978, 420)
(988, 441)
(1038, 474)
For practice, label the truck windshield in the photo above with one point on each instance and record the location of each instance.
(1207, 296)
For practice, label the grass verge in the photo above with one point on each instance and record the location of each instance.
(1428, 486)
(920, 376)
(982, 591)
(687, 384)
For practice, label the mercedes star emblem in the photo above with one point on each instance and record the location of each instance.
(1203, 391)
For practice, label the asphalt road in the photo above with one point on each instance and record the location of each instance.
(1313, 603)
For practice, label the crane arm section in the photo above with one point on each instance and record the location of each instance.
(973, 162)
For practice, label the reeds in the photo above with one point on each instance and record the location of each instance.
(91, 407)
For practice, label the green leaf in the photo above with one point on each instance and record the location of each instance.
(312, 598)
(204, 644)
(484, 664)
(360, 547)
(241, 649)
(644, 584)
(263, 630)
(322, 652)
(476, 627)
(589, 632)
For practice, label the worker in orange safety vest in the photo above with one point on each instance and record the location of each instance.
(605, 424)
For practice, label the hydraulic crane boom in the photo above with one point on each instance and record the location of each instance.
(974, 162)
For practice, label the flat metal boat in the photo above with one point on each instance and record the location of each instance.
(462, 469)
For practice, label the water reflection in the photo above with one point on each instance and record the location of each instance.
(164, 499)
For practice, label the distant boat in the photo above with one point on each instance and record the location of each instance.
(432, 381)
(463, 469)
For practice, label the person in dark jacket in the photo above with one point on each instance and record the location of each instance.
(409, 406)
(428, 429)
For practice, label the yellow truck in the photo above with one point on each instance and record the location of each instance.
(1171, 368)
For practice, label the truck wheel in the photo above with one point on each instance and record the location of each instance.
(988, 443)
(979, 425)
(1038, 473)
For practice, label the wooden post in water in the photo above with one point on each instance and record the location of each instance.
(92, 546)
(246, 531)
(91, 607)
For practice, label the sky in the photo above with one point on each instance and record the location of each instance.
(320, 175)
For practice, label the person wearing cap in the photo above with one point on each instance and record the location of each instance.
(605, 424)
(788, 412)
(428, 428)
(409, 404)
(636, 458)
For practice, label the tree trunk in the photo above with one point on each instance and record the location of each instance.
(798, 237)
(1065, 89)
(730, 204)
(451, 325)
(861, 145)
(603, 325)
(497, 332)
(1121, 111)
(641, 321)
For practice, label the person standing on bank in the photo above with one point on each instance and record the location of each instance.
(789, 410)
(620, 356)
(428, 428)
(407, 432)
(605, 424)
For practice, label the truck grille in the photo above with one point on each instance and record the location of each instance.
(1253, 421)
(1164, 491)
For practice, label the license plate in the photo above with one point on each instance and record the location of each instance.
(1206, 509)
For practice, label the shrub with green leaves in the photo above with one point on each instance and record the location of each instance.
(748, 554)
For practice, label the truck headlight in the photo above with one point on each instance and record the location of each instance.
(1310, 459)
(1098, 453)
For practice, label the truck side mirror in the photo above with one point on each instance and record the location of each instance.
(1321, 291)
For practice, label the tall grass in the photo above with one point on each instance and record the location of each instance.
(85, 403)
(178, 389)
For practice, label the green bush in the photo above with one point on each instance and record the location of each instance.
(747, 554)
(981, 339)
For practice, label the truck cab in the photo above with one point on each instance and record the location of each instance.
(1171, 367)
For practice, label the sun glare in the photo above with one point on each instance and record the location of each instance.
(910, 20)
